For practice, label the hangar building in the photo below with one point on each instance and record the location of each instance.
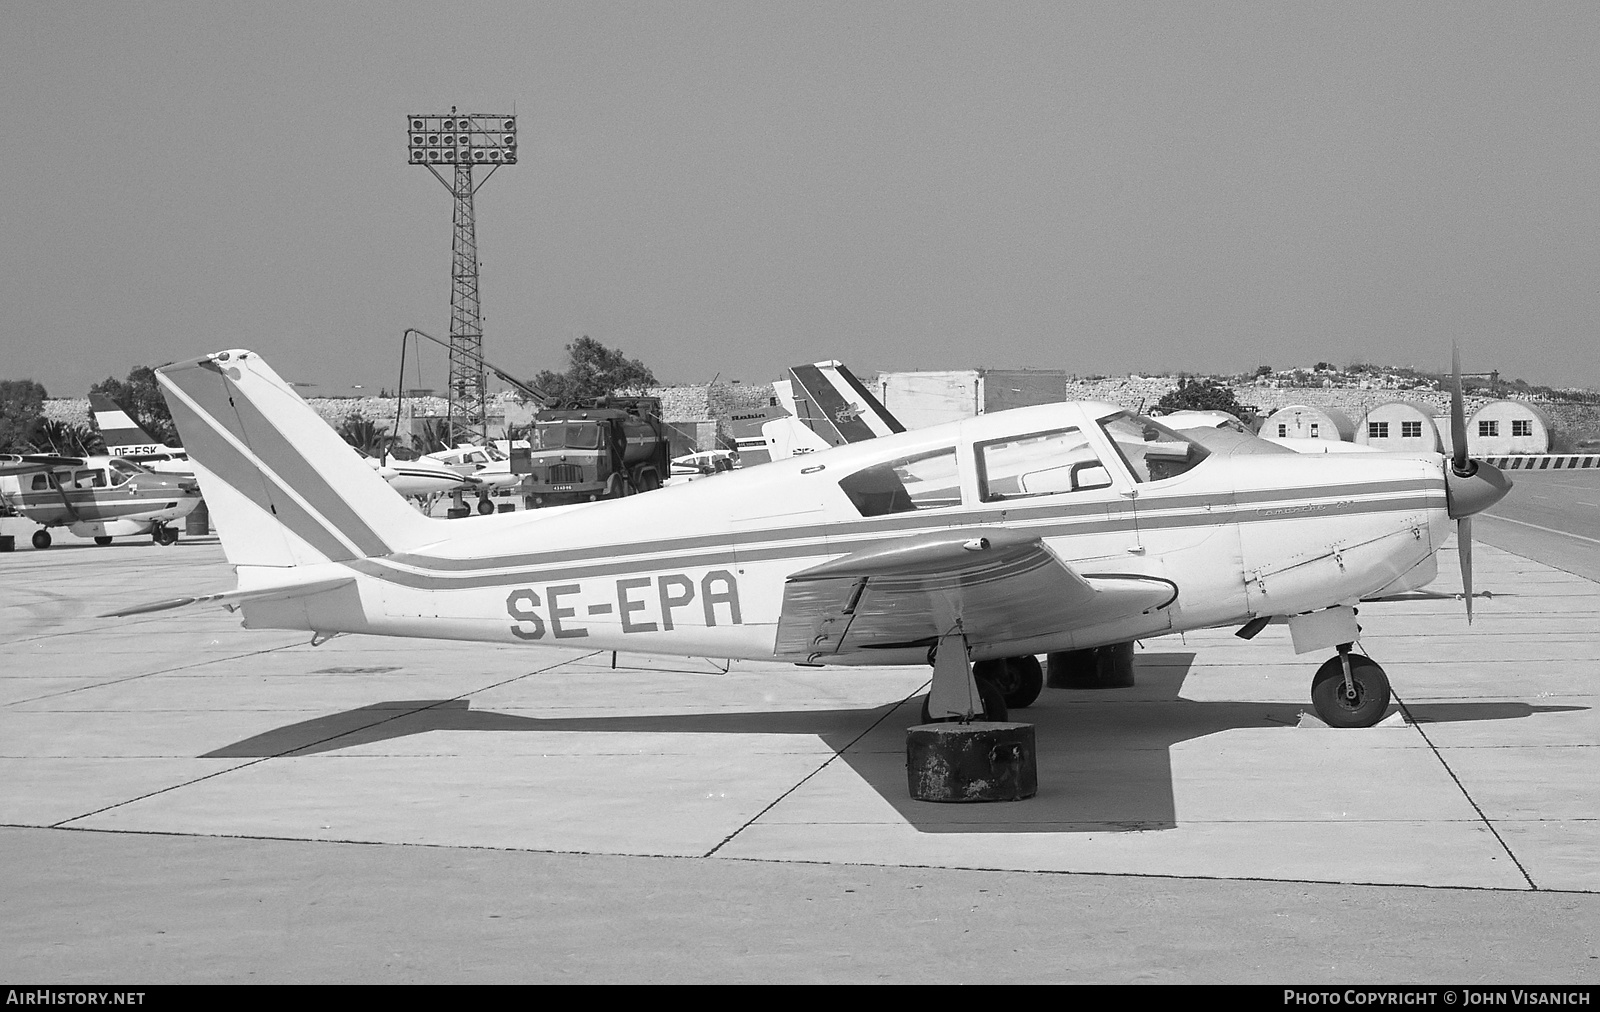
(1502, 427)
(1302, 421)
(1401, 425)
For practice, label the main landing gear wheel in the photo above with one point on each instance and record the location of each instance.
(41, 538)
(1336, 706)
(1019, 679)
(485, 507)
(994, 703)
(102, 540)
(164, 536)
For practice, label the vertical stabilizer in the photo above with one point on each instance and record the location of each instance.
(830, 401)
(124, 437)
(282, 487)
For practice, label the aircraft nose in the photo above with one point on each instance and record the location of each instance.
(1481, 487)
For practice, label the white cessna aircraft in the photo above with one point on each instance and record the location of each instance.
(989, 540)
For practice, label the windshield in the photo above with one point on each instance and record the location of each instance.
(1151, 450)
(122, 470)
(566, 436)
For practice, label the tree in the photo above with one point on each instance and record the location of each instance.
(366, 435)
(65, 439)
(1263, 370)
(1202, 395)
(21, 410)
(593, 370)
(140, 396)
(435, 434)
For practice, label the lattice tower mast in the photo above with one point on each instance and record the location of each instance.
(463, 140)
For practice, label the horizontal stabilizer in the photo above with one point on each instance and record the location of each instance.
(234, 598)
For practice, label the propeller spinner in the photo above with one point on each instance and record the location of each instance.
(1470, 486)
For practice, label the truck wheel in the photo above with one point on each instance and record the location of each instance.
(649, 481)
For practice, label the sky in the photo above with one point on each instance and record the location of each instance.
(726, 189)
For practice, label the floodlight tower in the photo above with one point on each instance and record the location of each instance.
(461, 141)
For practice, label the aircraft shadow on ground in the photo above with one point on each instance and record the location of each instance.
(1103, 755)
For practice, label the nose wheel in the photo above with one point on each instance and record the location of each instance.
(1350, 690)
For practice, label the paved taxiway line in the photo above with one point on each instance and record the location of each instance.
(1547, 530)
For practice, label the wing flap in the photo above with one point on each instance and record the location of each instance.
(1001, 586)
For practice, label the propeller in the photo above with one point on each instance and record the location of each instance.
(1470, 486)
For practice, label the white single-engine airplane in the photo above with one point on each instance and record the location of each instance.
(1037, 530)
(96, 497)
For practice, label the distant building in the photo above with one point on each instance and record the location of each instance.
(920, 399)
(1401, 425)
(1502, 427)
(1302, 421)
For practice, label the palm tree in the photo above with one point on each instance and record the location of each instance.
(366, 435)
(64, 438)
(434, 435)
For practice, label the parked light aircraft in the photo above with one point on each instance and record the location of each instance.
(993, 539)
(96, 497)
(486, 465)
(422, 477)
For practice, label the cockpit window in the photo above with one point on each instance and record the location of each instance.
(1152, 451)
(121, 471)
(923, 481)
(1039, 463)
(566, 436)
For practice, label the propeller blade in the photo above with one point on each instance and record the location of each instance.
(1458, 415)
(1464, 550)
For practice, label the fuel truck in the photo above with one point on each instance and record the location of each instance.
(614, 446)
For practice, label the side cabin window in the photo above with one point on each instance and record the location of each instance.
(1151, 450)
(1039, 463)
(922, 481)
(41, 482)
(90, 479)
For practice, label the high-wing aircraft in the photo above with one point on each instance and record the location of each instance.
(1048, 529)
(96, 497)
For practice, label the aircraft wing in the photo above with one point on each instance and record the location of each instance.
(1001, 585)
(30, 463)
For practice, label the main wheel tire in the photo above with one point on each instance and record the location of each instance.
(1338, 710)
(994, 703)
(41, 539)
(164, 536)
(1020, 680)
(102, 540)
(485, 507)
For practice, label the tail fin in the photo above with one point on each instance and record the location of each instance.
(283, 489)
(122, 434)
(831, 402)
